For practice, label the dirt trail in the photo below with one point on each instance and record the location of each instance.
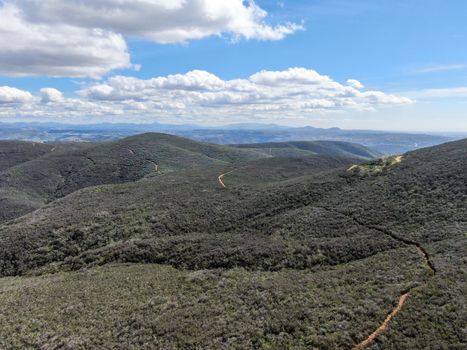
(220, 179)
(156, 166)
(371, 338)
(404, 297)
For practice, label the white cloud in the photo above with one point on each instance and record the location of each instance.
(441, 68)
(13, 95)
(200, 96)
(51, 95)
(86, 38)
(162, 21)
(56, 50)
(299, 76)
(355, 84)
(443, 93)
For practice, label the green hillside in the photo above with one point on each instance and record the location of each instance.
(31, 184)
(160, 215)
(303, 148)
(16, 152)
(13, 153)
(62, 172)
(67, 169)
(302, 253)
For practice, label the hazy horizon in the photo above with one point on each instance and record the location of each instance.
(220, 126)
(386, 65)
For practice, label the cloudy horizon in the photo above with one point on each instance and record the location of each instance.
(214, 62)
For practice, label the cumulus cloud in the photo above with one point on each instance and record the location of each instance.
(56, 50)
(13, 95)
(292, 89)
(355, 84)
(162, 21)
(202, 96)
(86, 38)
(51, 95)
(297, 76)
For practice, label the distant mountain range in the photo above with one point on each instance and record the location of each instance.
(382, 141)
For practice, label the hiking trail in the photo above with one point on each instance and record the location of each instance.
(405, 296)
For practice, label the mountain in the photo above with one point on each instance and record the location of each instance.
(279, 252)
(382, 141)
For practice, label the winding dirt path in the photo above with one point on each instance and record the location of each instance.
(156, 166)
(371, 338)
(220, 178)
(404, 297)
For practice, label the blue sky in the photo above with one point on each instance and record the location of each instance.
(412, 49)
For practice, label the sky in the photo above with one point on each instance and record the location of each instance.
(355, 64)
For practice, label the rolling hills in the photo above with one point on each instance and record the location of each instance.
(300, 250)
(16, 152)
(304, 148)
(70, 167)
(31, 184)
(385, 142)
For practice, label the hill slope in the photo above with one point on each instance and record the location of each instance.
(303, 148)
(16, 152)
(308, 256)
(29, 185)
(405, 196)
